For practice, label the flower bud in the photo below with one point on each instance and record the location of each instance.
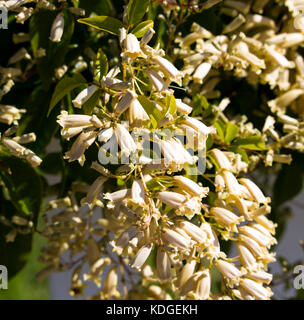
(57, 28)
(84, 96)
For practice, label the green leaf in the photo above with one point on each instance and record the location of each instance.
(201, 106)
(101, 65)
(91, 103)
(23, 184)
(136, 10)
(64, 86)
(251, 143)
(231, 132)
(150, 108)
(104, 23)
(142, 28)
(220, 129)
(170, 104)
(97, 6)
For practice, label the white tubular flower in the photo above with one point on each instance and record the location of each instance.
(168, 68)
(33, 159)
(118, 195)
(67, 121)
(234, 24)
(269, 123)
(125, 140)
(94, 190)
(243, 52)
(199, 126)
(137, 114)
(81, 144)
(252, 245)
(182, 107)
(266, 223)
(172, 199)
(124, 239)
(282, 102)
(158, 83)
(110, 284)
(21, 152)
(174, 152)
(138, 193)
(259, 237)
(10, 114)
(202, 291)
(14, 147)
(147, 36)
(141, 256)
(24, 14)
(183, 205)
(231, 273)
(247, 259)
(278, 57)
(69, 133)
(260, 276)
(221, 159)
(185, 274)
(105, 135)
(132, 46)
(57, 28)
(254, 190)
(84, 96)
(231, 183)
(226, 218)
(18, 56)
(125, 102)
(256, 289)
(193, 231)
(174, 238)
(122, 37)
(286, 40)
(191, 187)
(201, 72)
(190, 285)
(163, 265)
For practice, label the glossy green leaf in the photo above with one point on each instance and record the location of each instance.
(170, 104)
(64, 86)
(97, 6)
(220, 129)
(251, 143)
(142, 28)
(150, 108)
(104, 23)
(136, 10)
(101, 65)
(231, 132)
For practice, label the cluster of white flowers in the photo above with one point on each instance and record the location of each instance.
(10, 115)
(254, 47)
(158, 212)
